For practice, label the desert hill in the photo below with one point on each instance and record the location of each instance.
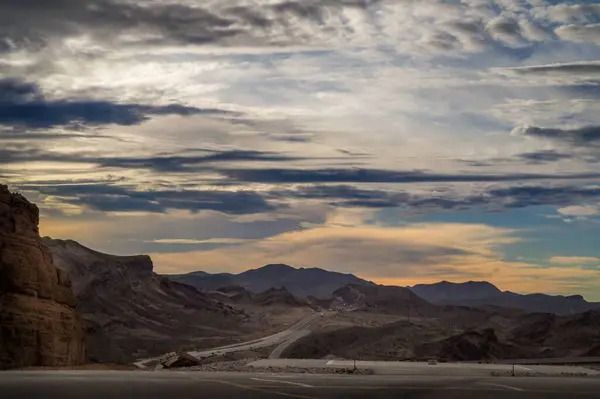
(131, 312)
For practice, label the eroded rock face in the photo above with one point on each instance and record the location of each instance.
(39, 325)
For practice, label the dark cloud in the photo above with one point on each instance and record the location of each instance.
(189, 163)
(444, 41)
(578, 137)
(198, 160)
(359, 175)
(587, 68)
(348, 196)
(466, 27)
(291, 138)
(23, 152)
(524, 196)
(111, 198)
(532, 158)
(345, 196)
(504, 27)
(22, 104)
(493, 199)
(544, 156)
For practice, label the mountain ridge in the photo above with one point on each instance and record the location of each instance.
(300, 282)
(483, 293)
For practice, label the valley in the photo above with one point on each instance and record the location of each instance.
(131, 315)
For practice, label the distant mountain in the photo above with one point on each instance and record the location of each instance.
(301, 282)
(482, 293)
(447, 291)
(131, 312)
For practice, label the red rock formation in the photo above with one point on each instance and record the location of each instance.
(39, 325)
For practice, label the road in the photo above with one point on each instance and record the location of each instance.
(188, 385)
(283, 338)
(421, 368)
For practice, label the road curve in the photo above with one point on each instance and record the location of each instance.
(283, 338)
(298, 332)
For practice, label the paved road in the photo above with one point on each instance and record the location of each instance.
(297, 330)
(188, 385)
(420, 368)
(283, 338)
(292, 333)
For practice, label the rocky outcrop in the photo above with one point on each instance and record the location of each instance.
(470, 346)
(39, 325)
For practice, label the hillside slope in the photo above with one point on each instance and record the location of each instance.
(481, 335)
(131, 312)
(381, 299)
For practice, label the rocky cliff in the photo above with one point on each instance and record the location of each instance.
(39, 325)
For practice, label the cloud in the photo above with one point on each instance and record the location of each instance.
(574, 260)
(524, 196)
(250, 23)
(583, 67)
(544, 156)
(580, 33)
(506, 30)
(193, 241)
(579, 210)
(22, 104)
(329, 246)
(584, 12)
(150, 23)
(14, 133)
(189, 163)
(112, 198)
(495, 198)
(360, 175)
(345, 196)
(582, 136)
(189, 160)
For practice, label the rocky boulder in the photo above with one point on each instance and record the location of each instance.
(39, 325)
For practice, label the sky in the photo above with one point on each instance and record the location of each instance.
(404, 141)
